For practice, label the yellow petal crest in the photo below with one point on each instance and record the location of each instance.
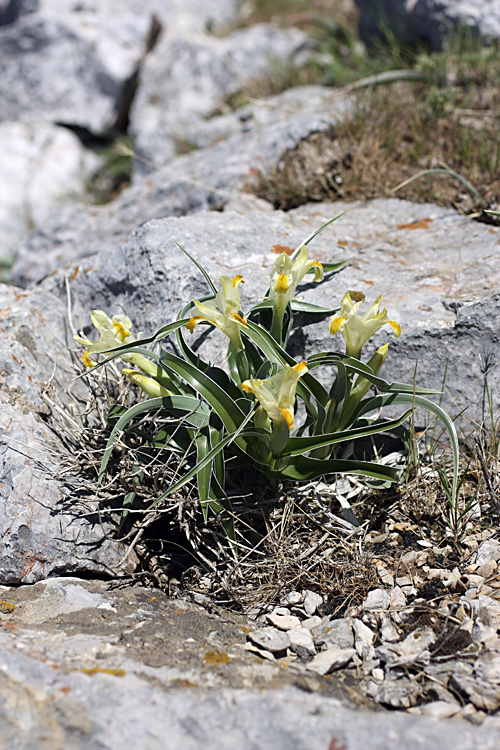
(239, 318)
(281, 284)
(301, 367)
(395, 326)
(336, 323)
(192, 322)
(122, 331)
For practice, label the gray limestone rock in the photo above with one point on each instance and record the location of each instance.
(73, 63)
(44, 528)
(11, 10)
(398, 693)
(301, 642)
(331, 659)
(207, 179)
(84, 664)
(431, 21)
(334, 633)
(270, 639)
(43, 166)
(190, 75)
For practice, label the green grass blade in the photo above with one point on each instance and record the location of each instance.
(414, 399)
(445, 171)
(199, 267)
(311, 236)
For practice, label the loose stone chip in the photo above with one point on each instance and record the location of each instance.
(270, 639)
(301, 642)
(331, 659)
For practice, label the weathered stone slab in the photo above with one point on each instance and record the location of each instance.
(207, 179)
(43, 166)
(73, 63)
(188, 76)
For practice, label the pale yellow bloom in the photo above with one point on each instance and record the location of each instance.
(356, 330)
(287, 275)
(113, 332)
(224, 311)
(276, 395)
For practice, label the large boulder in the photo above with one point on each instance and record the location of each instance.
(73, 63)
(429, 21)
(43, 166)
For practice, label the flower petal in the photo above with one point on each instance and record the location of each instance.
(336, 323)
(396, 327)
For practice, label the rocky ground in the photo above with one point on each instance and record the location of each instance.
(361, 620)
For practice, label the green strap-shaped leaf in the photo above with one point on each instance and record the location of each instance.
(387, 399)
(182, 340)
(206, 460)
(296, 446)
(204, 474)
(338, 393)
(224, 405)
(218, 464)
(305, 468)
(199, 267)
(297, 305)
(333, 358)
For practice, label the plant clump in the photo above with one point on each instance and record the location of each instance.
(266, 423)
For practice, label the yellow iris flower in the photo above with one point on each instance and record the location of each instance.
(287, 275)
(224, 311)
(276, 395)
(356, 330)
(114, 332)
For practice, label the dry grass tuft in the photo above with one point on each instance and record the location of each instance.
(293, 539)
(388, 141)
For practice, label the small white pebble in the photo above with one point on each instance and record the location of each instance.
(283, 622)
